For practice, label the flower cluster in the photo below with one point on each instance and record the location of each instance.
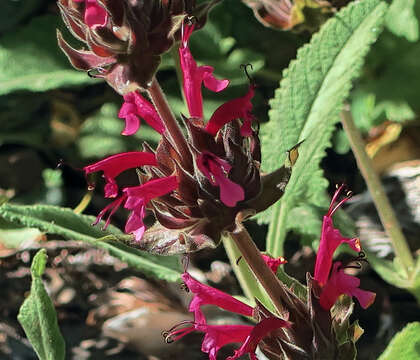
(189, 182)
(125, 38)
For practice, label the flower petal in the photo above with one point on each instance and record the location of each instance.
(207, 295)
(216, 170)
(218, 336)
(95, 15)
(340, 283)
(136, 105)
(114, 165)
(261, 330)
(194, 76)
(239, 108)
(330, 240)
(148, 191)
(273, 263)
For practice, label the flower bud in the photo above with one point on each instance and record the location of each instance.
(125, 38)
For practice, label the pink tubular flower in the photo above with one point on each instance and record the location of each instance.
(134, 106)
(273, 263)
(139, 196)
(136, 199)
(206, 295)
(216, 170)
(217, 336)
(195, 75)
(239, 108)
(95, 14)
(114, 165)
(340, 283)
(330, 240)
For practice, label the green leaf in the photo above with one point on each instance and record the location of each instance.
(402, 21)
(392, 272)
(31, 60)
(38, 318)
(64, 222)
(308, 103)
(405, 344)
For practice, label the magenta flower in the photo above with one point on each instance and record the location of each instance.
(217, 336)
(206, 295)
(340, 283)
(136, 106)
(239, 108)
(136, 199)
(217, 170)
(337, 282)
(95, 14)
(114, 165)
(273, 263)
(330, 240)
(195, 75)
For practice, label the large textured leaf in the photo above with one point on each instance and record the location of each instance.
(308, 102)
(64, 222)
(31, 60)
(38, 318)
(404, 345)
(401, 19)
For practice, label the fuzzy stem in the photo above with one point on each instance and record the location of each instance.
(269, 281)
(165, 112)
(381, 201)
(277, 230)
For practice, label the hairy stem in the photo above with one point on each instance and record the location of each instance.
(281, 298)
(165, 112)
(381, 201)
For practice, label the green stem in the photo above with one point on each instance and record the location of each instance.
(277, 230)
(246, 278)
(381, 201)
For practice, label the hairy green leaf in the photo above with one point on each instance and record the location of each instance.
(401, 19)
(308, 103)
(31, 60)
(38, 318)
(405, 344)
(64, 222)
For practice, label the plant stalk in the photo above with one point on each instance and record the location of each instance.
(276, 291)
(381, 201)
(166, 114)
